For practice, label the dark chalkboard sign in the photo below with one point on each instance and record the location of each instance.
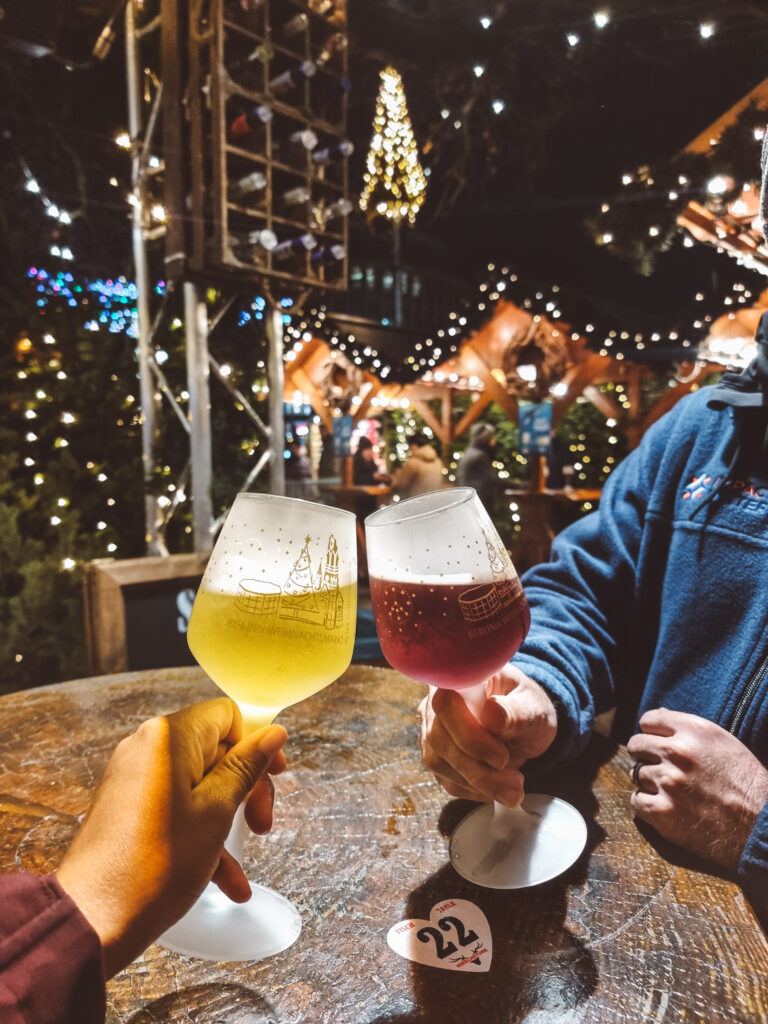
(137, 610)
(156, 617)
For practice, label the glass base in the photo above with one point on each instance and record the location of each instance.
(512, 848)
(215, 928)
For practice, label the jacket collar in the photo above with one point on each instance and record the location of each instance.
(749, 388)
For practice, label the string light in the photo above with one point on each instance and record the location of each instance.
(601, 19)
(719, 185)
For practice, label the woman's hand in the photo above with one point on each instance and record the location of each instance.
(154, 835)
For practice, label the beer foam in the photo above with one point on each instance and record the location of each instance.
(401, 574)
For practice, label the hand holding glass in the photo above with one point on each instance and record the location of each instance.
(273, 622)
(450, 611)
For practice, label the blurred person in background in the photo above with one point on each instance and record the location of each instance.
(299, 478)
(421, 472)
(476, 466)
(366, 471)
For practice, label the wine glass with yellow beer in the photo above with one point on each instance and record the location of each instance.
(273, 622)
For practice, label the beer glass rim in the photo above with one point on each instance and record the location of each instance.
(314, 506)
(407, 511)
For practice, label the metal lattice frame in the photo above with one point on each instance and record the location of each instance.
(182, 96)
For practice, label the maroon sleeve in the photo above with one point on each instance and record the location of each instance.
(51, 969)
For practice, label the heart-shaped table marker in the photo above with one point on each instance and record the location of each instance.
(456, 937)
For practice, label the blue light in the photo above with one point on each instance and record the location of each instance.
(115, 300)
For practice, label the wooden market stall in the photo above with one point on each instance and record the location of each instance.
(736, 228)
(487, 367)
(518, 356)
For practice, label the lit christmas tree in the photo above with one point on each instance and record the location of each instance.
(395, 185)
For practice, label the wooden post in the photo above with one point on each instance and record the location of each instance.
(634, 421)
(446, 411)
(538, 474)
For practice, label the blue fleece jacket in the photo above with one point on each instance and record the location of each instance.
(660, 599)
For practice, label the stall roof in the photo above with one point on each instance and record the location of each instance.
(737, 230)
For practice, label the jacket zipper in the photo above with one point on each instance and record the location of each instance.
(746, 697)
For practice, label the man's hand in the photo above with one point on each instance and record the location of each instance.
(482, 760)
(154, 835)
(698, 786)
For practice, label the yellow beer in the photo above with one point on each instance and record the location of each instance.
(268, 649)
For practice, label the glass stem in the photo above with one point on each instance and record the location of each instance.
(505, 819)
(239, 831)
(474, 698)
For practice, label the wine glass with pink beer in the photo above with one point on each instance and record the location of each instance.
(450, 612)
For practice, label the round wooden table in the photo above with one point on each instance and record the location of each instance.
(359, 843)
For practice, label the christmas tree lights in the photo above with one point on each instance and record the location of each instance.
(395, 185)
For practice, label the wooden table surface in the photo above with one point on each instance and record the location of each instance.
(359, 843)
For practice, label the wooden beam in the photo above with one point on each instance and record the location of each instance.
(446, 410)
(578, 378)
(496, 391)
(480, 404)
(602, 403)
(308, 350)
(365, 405)
(313, 393)
(430, 419)
(634, 429)
(723, 234)
(426, 392)
(316, 358)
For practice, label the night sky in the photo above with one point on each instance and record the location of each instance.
(575, 118)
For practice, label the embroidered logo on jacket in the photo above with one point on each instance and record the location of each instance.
(698, 487)
(749, 497)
